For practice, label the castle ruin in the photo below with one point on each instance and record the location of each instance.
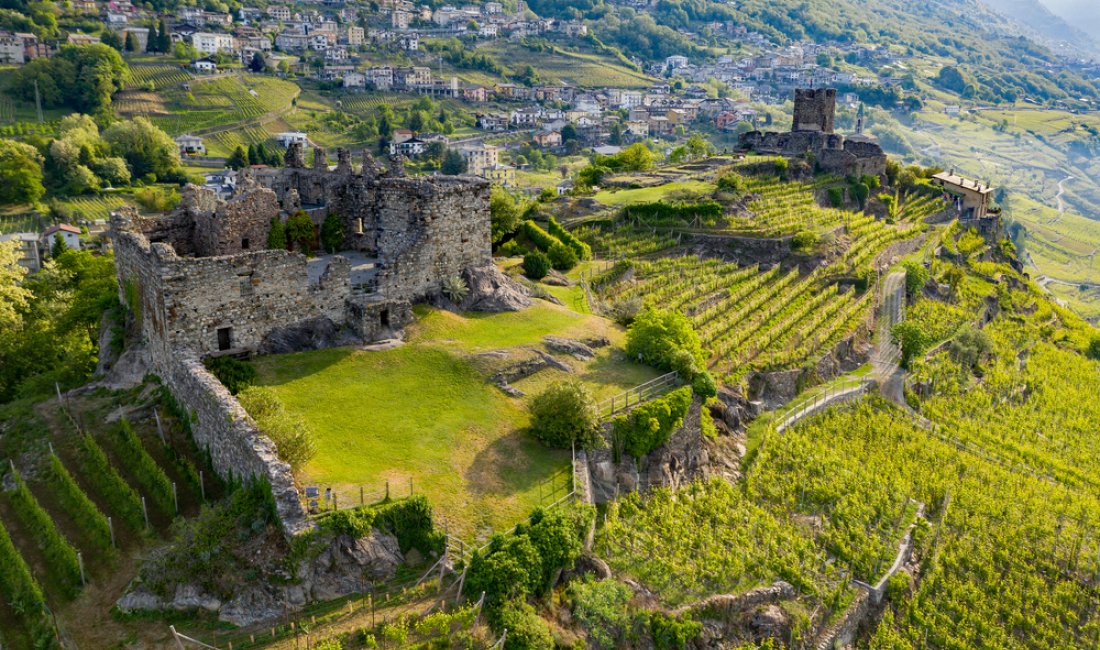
(201, 282)
(812, 132)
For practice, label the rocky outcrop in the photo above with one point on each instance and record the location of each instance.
(311, 334)
(492, 291)
(770, 390)
(347, 562)
(568, 346)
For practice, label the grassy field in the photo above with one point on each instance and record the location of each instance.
(619, 198)
(579, 68)
(426, 411)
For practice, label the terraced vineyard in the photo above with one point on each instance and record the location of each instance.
(222, 102)
(72, 508)
(162, 77)
(785, 207)
(748, 319)
(95, 208)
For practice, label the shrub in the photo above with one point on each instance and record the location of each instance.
(860, 192)
(872, 182)
(781, 167)
(602, 608)
(561, 257)
(672, 633)
(649, 426)
(234, 374)
(656, 334)
(836, 196)
(536, 265)
(409, 520)
(456, 288)
(526, 629)
(624, 312)
(276, 237)
(916, 276)
(969, 347)
(1093, 349)
(704, 385)
(300, 231)
(912, 339)
(332, 233)
(804, 241)
(732, 182)
(565, 413)
(511, 248)
(291, 434)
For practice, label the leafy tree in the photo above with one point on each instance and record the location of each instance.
(657, 334)
(912, 339)
(536, 265)
(164, 39)
(453, 163)
(503, 213)
(510, 569)
(257, 64)
(332, 233)
(276, 237)
(562, 257)
(635, 158)
(20, 173)
(602, 608)
(80, 77)
(916, 276)
(569, 132)
(146, 148)
(526, 629)
(153, 40)
(238, 159)
(131, 43)
(111, 39)
(804, 241)
(860, 192)
(565, 413)
(14, 297)
(300, 231)
(969, 347)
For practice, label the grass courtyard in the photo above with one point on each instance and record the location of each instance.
(426, 411)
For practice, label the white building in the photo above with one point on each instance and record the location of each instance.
(190, 144)
(11, 48)
(211, 43)
(69, 234)
(205, 66)
(480, 157)
(287, 138)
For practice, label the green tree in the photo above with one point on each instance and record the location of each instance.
(564, 414)
(14, 297)
(276, 237)
(562, 257)
(657, 334)
(536, 265)
(300, 231)
(257, 64)
(20, 173)
(860, 192)
(526, 629)
(912, 339)
(332, 233)
(112, 40)
(916, 276)
(238, 159)
(504, 213)
(635, 158)
(131, 44)
(58, 246)
(453, 163)
(164, 39)
(146, 148)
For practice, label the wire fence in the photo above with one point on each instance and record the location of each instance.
(640, 393)
(320, 500)
(812, 403)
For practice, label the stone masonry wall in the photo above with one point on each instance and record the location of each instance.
(238, 450)
(814, 109)
(239, 225)
(430, 232)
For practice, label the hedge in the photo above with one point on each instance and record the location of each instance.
(84, 512)
(650, 425)
(110, 485)
(60, 554)
(409, 520)
(583, 250)
(145, 470)
(539, 237)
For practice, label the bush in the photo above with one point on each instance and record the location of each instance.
(860, 192)
(565, 413)
(332, 233)
(526, 629)
(916, 276)
(536, 265)
(276, 237)
(781, 167)
(234, 374)
(836, 196)
(291, 434)
(511, 248)
(300, 231)
(672, 633)
(732, 182)
(704, 385)
(969, 347)
(409, 520)
(539, 237)
(1093, 349)
(649, 426)
(561, 257)
(656, 334)
(804, 241)
(625, 311)
(602, 608)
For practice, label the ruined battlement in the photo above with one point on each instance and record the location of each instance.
(814, 110)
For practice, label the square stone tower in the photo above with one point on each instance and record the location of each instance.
(814, 109)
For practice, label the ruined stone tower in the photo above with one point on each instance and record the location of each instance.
(814, 110)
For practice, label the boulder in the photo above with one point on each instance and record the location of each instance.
(568, 346)
(341, 568)
(190, 597)
(139, 599)
(493, 291)
(311, 334)
(769, 621)
(251, 606)
(555, 279)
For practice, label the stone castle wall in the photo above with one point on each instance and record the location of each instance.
(814, 109)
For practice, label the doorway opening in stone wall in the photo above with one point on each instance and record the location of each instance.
(244, 244)
(225, 338)
(384, 318)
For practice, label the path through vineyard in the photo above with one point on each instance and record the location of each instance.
(887, 355)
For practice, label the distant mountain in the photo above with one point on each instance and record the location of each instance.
(1082, 14)
(1036, 20)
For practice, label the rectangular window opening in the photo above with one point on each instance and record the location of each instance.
(225, 338)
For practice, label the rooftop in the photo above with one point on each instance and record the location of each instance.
(965, 183)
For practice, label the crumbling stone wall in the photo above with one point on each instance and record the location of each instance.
(238, 450)
(239, 225)
(814, 109)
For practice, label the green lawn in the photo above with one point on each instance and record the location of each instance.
(618, 198)
(426, 411)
